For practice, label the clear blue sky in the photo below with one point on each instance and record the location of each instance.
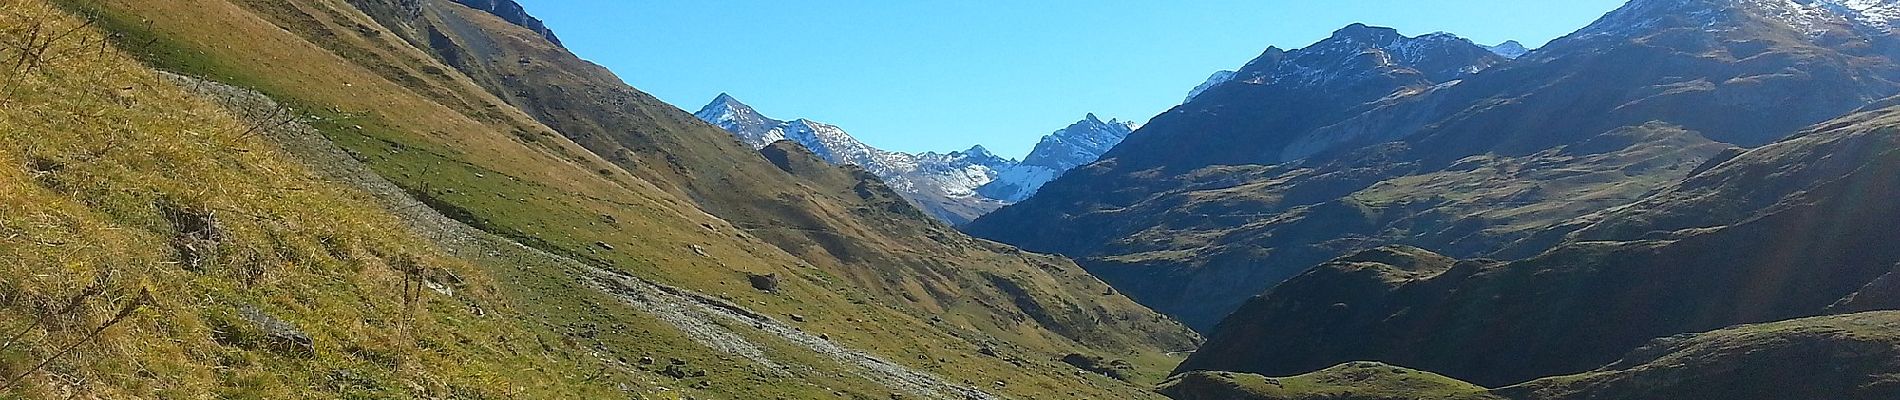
(916, 75)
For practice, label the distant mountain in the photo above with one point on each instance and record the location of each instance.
(943, 185)
(955, 187)
(1779, 232)
(1350, 144)
(1121, 214)
(1074, 146)
(1509, 49)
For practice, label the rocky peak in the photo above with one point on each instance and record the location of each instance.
(742, 120)
(512, 12)
(1080, 143)
(1362, 50)
(1509, 49)
(1363, 33)
(1811, 17)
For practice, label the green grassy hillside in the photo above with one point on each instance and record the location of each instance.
(155, 247)
(673, 204)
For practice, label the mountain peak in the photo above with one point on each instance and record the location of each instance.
(722, 105)
(1509, 49)
(1363, 32)
(1080, 143)
(1361, 50)
(1810, 17)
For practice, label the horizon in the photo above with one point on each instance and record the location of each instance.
(868, 69)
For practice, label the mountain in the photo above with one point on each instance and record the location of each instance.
(403, 198)
(1079, 144)
(1217, 79)
(955, 187)
(512, 12)
(1509, 49)
(1240, 190)
(1129, 217)
(1788, 237)
(944, 185)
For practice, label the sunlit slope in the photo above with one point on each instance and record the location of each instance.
(154, 247)
(437, 131)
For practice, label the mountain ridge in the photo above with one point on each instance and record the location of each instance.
(1224, 199)
(955, 187)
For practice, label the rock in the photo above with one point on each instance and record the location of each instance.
(701, 251)
(277, 335)
(1112, 369)
(797, 318)
(765, 283)
(604, 246)
(646, 360)
(674, 371)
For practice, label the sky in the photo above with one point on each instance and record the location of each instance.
(918, 75)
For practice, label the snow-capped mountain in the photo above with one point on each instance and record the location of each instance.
(943, 185)
(751, 127)
(1077, 145)
(1814, 18)
(955, 187)
(1509, 49)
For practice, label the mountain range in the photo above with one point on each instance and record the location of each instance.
(955, 187)
(1371, 138)
(437, 199)
(1671, 202)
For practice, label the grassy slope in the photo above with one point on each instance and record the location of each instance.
(822, 215)
(105, 164)
(1351, 381)
(1836, 357)
(1850, 356)
(433, 130)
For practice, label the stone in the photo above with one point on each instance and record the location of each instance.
(278, 335)
(765, 283)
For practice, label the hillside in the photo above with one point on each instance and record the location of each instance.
(1350, 381)
(1257, 180)
(162, 249)
(490, 123)
(1809, 251)
(1836, 357)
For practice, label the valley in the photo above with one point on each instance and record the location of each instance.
(261, 199)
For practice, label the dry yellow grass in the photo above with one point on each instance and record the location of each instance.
(108, 175)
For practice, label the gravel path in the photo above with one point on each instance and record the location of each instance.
(693, 313)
